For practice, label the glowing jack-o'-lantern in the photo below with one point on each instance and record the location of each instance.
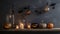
(7, 25)
(34, 25)
(50, 25)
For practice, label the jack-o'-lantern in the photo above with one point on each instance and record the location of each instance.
(34, 25)
(7, 25)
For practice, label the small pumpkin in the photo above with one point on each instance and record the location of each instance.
(42, 25)
(50, 25)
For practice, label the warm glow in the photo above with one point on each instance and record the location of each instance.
(34, 25)
(17, 27)
(7, 25)
(29, 26)
(21, 26)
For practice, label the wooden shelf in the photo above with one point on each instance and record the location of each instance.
(54, 29)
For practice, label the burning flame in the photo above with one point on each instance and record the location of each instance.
(17, 27)
(28, 26)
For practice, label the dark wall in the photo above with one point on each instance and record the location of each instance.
(53, 15)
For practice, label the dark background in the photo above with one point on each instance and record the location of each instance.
(53, 15)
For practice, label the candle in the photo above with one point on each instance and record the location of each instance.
(21, 26)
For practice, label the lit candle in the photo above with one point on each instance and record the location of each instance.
(21, 26)
(28, 26)
(17, 27)
(28, 12)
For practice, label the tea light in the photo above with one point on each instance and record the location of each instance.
(28, 26)
(43, 25)
(17, 27)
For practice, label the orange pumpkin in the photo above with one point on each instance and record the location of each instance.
(50, 25)
(7, 25)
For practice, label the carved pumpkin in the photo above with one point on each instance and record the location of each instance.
(7, 25)
(34, 25)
